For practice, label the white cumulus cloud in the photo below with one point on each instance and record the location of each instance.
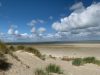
(16, 32)
(25, 35)
(11, 31)
(41, 30)
(89, 17)
(77, 6)
(32, 23)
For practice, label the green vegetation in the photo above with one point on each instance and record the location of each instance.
(35, 52)
(40, 72)
(52, 68)
(20, 47)
(77, 62)
(4, 65)
(89, 60)
(12, 48)
(97, 62)
(82, 61)
(3, 48)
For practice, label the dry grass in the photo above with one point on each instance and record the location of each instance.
(68, 58)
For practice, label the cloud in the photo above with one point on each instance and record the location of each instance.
(40, 21)
(77, 6)
(11, 31)
(49, 36)
(85, 20)
(59, 26)
(41, 30)
(1, 33)
(83, 23)
(24, 35)
(16, 32)
(33, 30)
(32, 23)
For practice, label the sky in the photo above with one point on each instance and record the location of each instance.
(49, 20)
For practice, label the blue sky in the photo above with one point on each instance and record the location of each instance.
(49, 20)
(19, 12)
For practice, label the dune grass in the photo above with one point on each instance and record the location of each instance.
(35, 52)
(20, 47)
(77, 62)
(3, 48)
(89, 60)
(53, 68)
(97, 62)
(4, 65)
(40, 72)
(27, 49)
(12, 48)
(82, 61)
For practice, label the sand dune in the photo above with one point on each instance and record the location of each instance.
(26, 66)
(28, 62)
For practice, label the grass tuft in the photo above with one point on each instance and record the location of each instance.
(77, 62)
(4, 65)
(3, 48)
(89, 60)
(12, 48)
(40, 72)
(82, 61)
(20, 47)
(52, 68)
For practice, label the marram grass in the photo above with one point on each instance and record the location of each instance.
(82, 61)
(53, 68)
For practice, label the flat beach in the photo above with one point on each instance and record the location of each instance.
(70, 50)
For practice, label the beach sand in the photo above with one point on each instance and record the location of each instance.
(71, 50)
(29, 63)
